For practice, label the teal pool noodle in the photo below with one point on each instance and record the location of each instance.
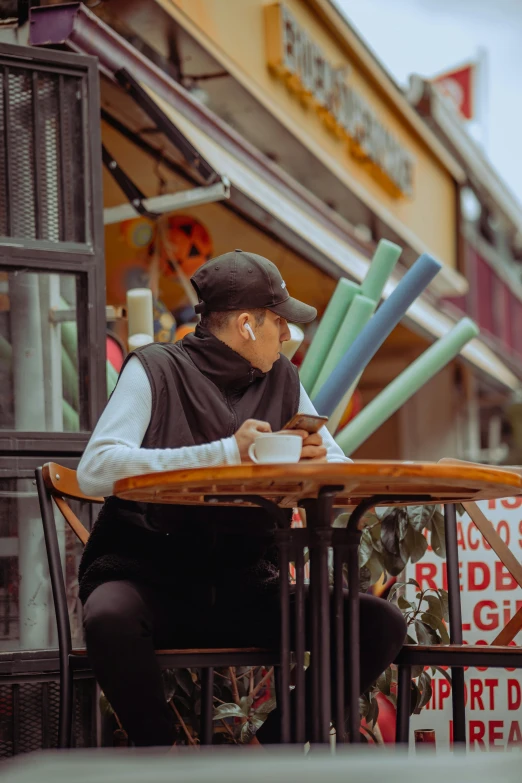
(358, 315)
(69, 331)
(328, 327)
(112, 378)
(69, 380)
(366, 345)
(406, 385)
(383, 262)
(71, 419)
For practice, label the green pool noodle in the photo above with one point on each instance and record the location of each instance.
(69, 380)
(71, 420)
(69, 331)
(112, 378)
(326, 331)
(358, 315)
(406, 385)
(381, 266)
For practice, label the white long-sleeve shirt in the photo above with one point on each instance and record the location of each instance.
(114, 451)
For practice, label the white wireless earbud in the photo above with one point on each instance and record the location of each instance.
(250, 332)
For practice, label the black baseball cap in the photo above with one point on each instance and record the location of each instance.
(240, 280)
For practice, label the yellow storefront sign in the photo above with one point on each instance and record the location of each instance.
(295, 58)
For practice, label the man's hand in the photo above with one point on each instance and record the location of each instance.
(247, 434)
(313, 449)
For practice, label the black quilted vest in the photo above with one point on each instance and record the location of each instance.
(202, 391)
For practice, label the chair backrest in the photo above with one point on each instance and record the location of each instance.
(56, 484)
(62, 483)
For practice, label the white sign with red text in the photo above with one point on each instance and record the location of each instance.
(490, 597)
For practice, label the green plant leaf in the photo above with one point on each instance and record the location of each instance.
(390, 531)
(404, 605)
(419, 546)
(438, 539)
(170, 683)
(373, 712)
(426, 690)
(416, 671)
(442, 671)
(403, 526)
(376, 532)
(444, 601)
(266, 707)
(425, 633)
(364, 705)
(435, 606)
(384, 682)
(371, 520)
(247, 733)
(365, 579)
(413, 582)
(184, 680)
(415, 697)
(436, 623)
(375, 566)
(105, 706)
(228, 711)
(342, 520)
(365, 548)
(245, 703)
(394, 564)
(370, 734)
(420, 517)
(183, 701)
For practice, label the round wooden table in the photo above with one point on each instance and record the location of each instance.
(318, 488)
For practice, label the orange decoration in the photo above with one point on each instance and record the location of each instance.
(137, 232)
(191, 243)
(352, 409)
(183, 330)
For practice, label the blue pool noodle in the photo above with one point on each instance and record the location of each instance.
(366, 345)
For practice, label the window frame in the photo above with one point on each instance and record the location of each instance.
(84, 260)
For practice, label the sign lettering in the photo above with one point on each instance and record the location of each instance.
(295, 58)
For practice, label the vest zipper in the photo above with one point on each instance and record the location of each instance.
(232, 411)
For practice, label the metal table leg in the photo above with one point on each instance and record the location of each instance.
(354, 677)
(455, 622)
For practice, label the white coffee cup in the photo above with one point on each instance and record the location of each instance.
(275, 448)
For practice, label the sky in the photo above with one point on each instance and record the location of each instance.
(431, 36)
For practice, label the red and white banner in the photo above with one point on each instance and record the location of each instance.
(490, 597)
(459, 85)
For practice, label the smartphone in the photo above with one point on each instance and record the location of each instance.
(307, 422)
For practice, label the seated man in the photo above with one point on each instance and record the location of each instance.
(160, 576)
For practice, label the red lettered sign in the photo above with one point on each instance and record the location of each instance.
(490, 597)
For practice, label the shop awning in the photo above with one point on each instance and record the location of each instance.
(321, 234)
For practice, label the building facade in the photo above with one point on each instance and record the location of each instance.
(191, 130)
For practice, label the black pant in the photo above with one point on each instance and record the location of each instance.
(125, 622)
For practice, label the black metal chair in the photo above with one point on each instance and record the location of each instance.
(457, 655)
(56, 484)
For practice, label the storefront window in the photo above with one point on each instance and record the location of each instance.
(39, 386)
(27, 619)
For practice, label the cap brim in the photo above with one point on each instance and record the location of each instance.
(295, 311)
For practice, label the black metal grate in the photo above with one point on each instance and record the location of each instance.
(29, 716)
(42, 157)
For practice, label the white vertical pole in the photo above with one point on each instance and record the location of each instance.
(28, 369)
(29, 402)
(51, 351)
(34, 593)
